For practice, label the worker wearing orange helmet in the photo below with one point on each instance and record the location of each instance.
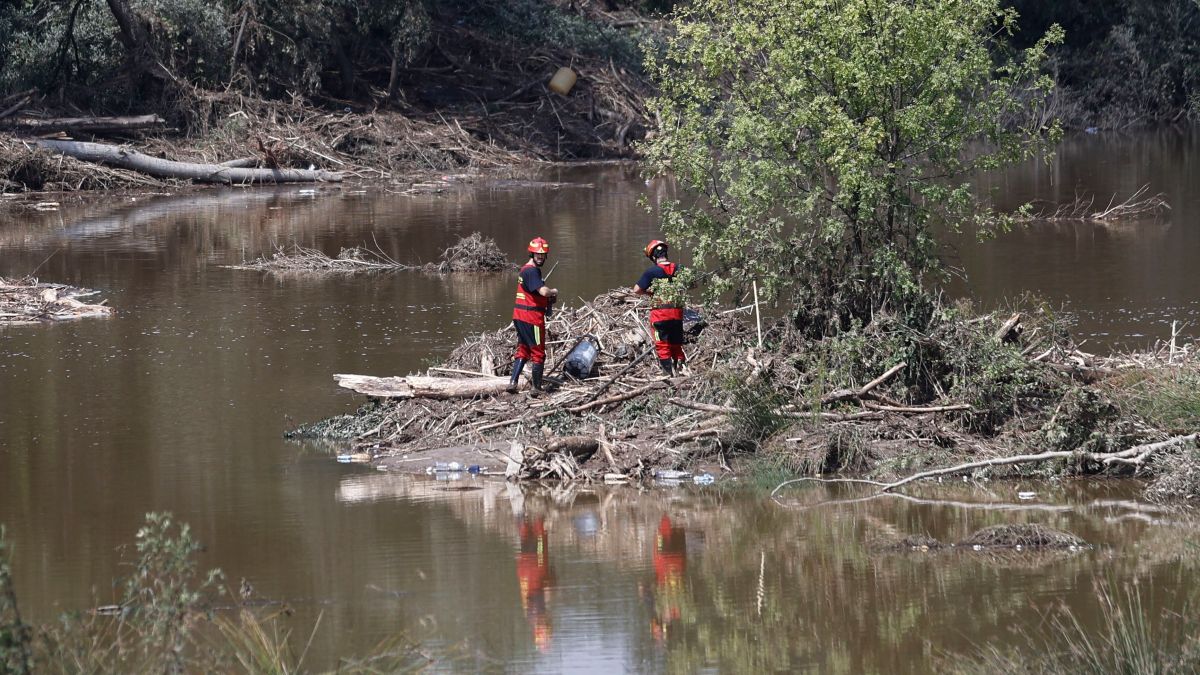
(666, 321)
(529, 315)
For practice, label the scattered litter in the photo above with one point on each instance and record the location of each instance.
(671, 474)
(1026, 495)
(445, 467)
(563, 81)
(358, 457)
(704, 479)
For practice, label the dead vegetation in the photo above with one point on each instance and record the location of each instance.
(474, 102)
(1083, 209)
(996, 394)
(25, 301)
(24, 167)
(473, 253)
(301, 260)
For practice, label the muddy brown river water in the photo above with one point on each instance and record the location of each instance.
(179, 402)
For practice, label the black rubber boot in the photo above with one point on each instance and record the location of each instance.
(537, 376)
(667, 366)
(515, 382)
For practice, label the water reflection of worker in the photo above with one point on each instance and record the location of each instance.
(666, 320)
(535, 578)
(670, 563)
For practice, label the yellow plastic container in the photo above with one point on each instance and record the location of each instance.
(562, 81)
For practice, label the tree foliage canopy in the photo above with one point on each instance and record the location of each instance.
(824, 138)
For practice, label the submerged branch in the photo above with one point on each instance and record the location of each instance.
(310, 260)
(1082, 209)
(1135, 455)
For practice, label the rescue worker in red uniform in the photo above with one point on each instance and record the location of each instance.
(529, 315)
(535, 578)
(666, 322)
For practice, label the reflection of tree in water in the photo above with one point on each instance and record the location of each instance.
(476, 291)
(535, 579)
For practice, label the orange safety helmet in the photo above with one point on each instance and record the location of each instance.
(539, 245)
(653, 246)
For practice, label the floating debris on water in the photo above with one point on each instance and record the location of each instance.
(25, 301)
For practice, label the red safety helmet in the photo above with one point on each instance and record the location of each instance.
(539, 245)
(653, 246)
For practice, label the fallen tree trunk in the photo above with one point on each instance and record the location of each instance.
(424, 386)
(1135, 456)
(126, 158)
(45, 125)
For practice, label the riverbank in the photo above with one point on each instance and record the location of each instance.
(879, 403)
(475, 100)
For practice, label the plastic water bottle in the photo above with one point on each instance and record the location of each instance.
(704, 479)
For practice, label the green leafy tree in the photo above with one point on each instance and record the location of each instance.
(825, 138)
(163, 588)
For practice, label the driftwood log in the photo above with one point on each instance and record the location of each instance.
(126, 158)
(1134, 456)
(424, 386)
(44, 125)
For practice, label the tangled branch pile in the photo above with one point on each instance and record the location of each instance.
(299, 259)
(473, 253)
(27, 301)
(1083, 209)
(880, 401)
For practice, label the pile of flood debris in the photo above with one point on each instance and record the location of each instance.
(997, 394)
(24, 301)
(473, 253)
(622, 410)
(623, 419)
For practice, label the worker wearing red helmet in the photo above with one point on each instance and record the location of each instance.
(529, 315)
(666, 321)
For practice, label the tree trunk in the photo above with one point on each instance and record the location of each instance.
(136, 41)
(423, 386)
(89, 124)
(164, 168)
